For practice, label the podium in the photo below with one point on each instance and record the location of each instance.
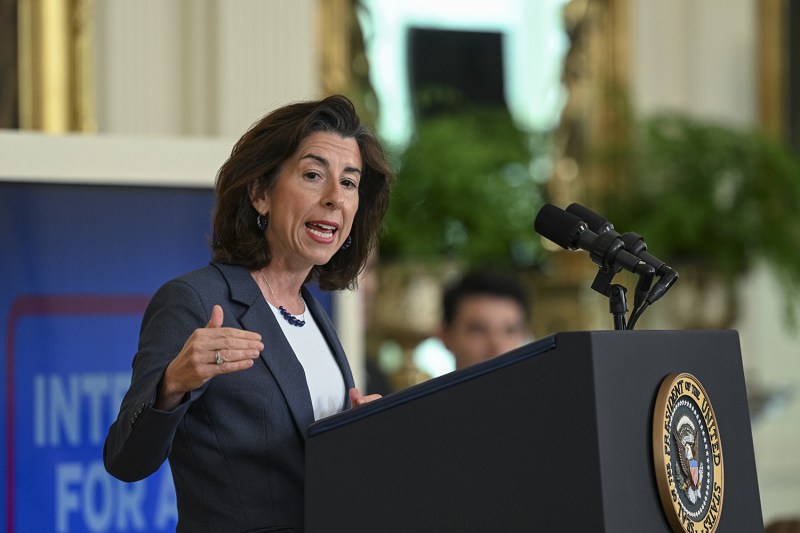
(554, 436)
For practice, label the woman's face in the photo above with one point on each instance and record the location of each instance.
(313, 201)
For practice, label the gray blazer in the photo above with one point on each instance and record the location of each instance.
(236, 445)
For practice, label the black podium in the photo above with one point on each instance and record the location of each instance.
(554, 436)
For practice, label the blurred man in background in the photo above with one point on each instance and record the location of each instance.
(484, 315)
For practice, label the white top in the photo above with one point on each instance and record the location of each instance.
(325, 381)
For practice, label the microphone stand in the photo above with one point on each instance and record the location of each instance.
(618, 306)
(617, 302)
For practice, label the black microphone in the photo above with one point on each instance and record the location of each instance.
(570, 232)
(634, 243)
(667, 276)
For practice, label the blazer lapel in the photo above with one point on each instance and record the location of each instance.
(278, 354)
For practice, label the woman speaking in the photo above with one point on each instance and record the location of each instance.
(237, 359)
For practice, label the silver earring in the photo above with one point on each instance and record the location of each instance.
(262, 221)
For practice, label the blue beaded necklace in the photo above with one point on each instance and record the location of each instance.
(290, 318)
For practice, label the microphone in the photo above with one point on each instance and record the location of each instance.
(569, 231)
(634, 243)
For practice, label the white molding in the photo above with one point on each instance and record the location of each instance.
(111, 160)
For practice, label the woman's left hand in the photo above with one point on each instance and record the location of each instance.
(357, 399)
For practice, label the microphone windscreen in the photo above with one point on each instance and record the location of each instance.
(596, 222)
(558, 226)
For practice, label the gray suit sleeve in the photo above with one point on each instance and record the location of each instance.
(140, 439)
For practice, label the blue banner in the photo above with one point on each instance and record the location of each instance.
(79, 265)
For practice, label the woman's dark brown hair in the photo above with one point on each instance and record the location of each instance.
(254, 165)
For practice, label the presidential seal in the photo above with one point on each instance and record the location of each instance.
(687, 455)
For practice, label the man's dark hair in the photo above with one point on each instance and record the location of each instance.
(482, 283)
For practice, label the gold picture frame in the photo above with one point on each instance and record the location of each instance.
(56, 65)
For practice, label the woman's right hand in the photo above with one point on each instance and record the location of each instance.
(197, 362)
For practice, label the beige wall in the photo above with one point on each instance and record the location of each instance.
(697, 57)
(201, 67)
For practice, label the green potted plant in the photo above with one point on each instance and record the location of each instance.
(465, 192)
(710, 198)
